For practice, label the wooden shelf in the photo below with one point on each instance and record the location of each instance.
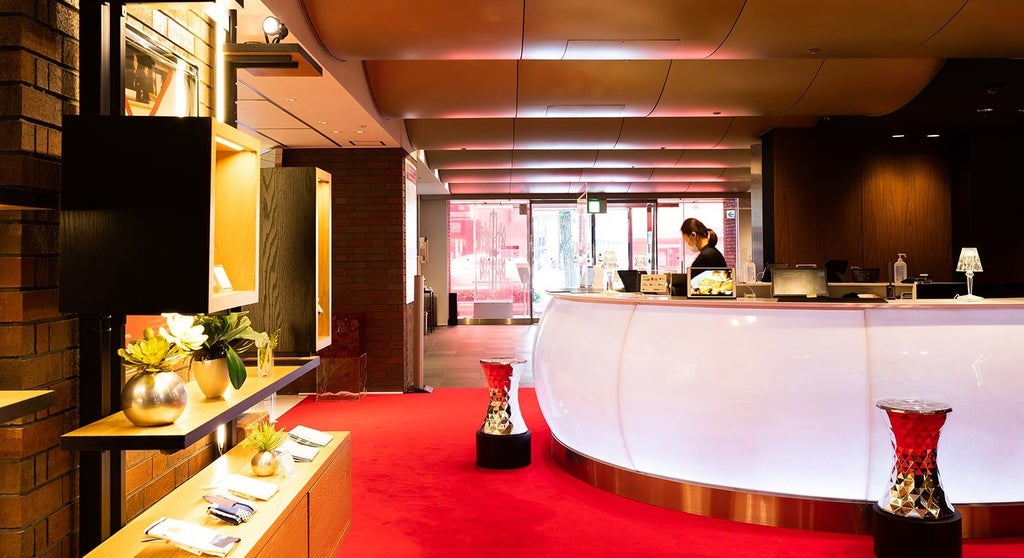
(18, 403)
(149, 206)
(295, 260)
(272, 60)
(201, 417)
(308, 516)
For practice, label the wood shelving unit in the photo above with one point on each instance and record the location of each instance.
(149, 206)
(309, 515)
(201, 417)
(295, 260)
(18, 403)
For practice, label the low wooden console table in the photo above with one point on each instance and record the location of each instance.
(307, 517)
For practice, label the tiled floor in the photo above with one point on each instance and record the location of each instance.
(452, 353)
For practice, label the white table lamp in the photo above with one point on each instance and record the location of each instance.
(968, 263)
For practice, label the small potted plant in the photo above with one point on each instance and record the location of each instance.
(155, 394)
(215, 362)
(264, 438)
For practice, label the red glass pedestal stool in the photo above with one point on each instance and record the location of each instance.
(913, 518)
(503, 442)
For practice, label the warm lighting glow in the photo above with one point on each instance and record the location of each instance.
(222, 437)
(969, 263)
(273, 27)
(229, 144)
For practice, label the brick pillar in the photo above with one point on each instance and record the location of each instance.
(38, 483)
(368, 253)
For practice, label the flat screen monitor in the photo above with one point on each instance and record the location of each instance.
(799, 282)
(766, 275)
(710, 282)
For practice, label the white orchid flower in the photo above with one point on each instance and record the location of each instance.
(183, 332)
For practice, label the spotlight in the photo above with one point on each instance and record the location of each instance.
(274, 27)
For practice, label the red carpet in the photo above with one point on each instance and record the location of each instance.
(418, 493)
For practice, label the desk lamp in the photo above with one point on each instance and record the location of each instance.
(969, 262)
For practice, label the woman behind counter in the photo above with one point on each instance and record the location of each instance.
(701, 239)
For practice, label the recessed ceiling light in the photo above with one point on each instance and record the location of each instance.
(360, 131)
(717, 112)
(334, 131)
(290, 99)
(985, 109)
(932, 136)
(898, 135)
(321, 122)
(812, 51)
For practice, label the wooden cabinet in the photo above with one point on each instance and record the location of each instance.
(149, 207)
(288, 524)
(295, 258)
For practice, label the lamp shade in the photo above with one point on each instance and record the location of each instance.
(969, 260)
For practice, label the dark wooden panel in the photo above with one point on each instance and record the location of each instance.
(906, 193)
(288, 253)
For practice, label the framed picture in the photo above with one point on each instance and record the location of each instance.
(710, 282)
(157, 82)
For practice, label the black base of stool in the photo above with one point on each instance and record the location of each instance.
(502, 452)
(897, 536)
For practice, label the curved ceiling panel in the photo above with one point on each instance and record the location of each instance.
(744, 132)
(672, 133)
(414, 29)
(566, 133)
(836, 28)
(715, 158)
(734, 87)
(866, 86)
(983, 29)
(625, 158)
(477, 159)
(444, 88)
(601, 88)
(558, 158)
(469, 133)
(645, 30)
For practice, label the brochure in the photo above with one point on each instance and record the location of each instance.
(301, 453)
(193, 538)
(250, 488)
(310, 436)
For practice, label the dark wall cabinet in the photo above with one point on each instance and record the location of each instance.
(295, 259)
(150, 207)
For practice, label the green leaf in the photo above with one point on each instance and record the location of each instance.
(236, 368)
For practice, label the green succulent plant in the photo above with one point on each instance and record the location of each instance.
(153, 353)
(263, 436)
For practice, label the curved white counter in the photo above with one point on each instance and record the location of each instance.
(761, 396)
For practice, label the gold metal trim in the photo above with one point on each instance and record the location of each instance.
(762, 508)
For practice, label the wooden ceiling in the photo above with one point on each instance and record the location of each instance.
(519, 97)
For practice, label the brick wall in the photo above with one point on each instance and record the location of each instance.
(38, 480)
(368, 253)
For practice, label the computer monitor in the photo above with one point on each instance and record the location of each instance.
(799, 282)
(766, 275)
(835, 270)
(710, 282)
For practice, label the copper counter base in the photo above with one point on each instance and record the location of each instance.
(773, 510)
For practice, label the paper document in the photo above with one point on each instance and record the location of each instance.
(249, 488)
(191, 537)
(309, 436)
(301, 453)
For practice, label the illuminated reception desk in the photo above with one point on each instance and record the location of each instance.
(764, 411)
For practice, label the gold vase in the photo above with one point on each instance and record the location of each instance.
(264, 463)
(153, 398)
(212, 376)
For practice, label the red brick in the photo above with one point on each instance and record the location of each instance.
(58, 525)
(16, 340)
(19, 511)
(136, 477)
(31, 371)
(16, 542)
(159, 488)
(16, 477)
(22, 441)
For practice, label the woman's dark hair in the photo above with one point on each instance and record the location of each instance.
(692, 225)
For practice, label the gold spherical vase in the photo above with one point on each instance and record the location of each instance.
(264, 463)
(153, 398)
